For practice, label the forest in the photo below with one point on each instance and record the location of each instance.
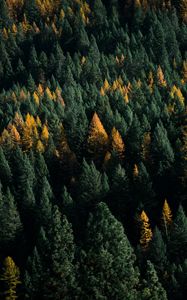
(93, 149)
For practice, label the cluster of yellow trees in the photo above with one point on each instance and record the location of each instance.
(125, 90)
(30, 133)
(100, 143)
(48, 9)
(145, 229)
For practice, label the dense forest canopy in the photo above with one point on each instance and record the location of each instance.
(93, 149)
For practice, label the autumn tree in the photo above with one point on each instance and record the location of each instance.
(10, 278)
(97, 138)
(117, 144)
(145, 231)
(166, 217)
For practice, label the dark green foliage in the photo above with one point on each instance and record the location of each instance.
(178, 238)
(108, 254)
(92, 185)
(10, 223)
(157, 251)
(152, 287)
(125, 63)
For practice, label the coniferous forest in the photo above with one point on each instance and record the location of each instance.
(93, 149)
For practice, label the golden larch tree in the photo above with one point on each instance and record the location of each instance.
(160, 77)
(166, 216)
(145, 231)
(150, 81)
(40, 147)
(10, 278)
(117, 144)
(135, 171)
(15, 7)
(184, 71)
(97, 137)
(45, 134)
(14, 134)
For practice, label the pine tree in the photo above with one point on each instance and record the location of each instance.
(162, 149)
(178, 236)
(99, 12)
(10, 278)
(152, 289)
(5, 171)
(91, 186)
(44, 202)
(107, 263)
(10, 223)
(157, 251)
(61, 283)
(120, 201)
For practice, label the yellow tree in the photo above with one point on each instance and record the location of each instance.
(36, 98)
(62, 145)
(176, 92)
(40, 147)
(5, 139)
(10, 278)
(150, 81)
(97, 138)
(45, 134)
(135, 171)
(166, 216)
(184, 71)
(15, 7)
(117, 144)
(160, 77)
(14, 134)
(145, 231)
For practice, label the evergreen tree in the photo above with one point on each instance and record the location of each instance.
(61, 283)
(157, 251)
(178, 236)
(91, 188)
(152, 287)
(107, 264)
(5, 171)
(10, 223)
(162, 150)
